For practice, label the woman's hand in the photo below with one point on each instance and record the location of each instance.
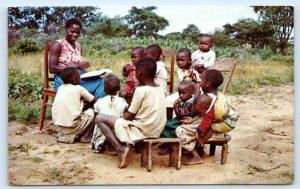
(83, 65)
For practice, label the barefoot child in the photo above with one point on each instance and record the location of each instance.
(111, 104)
(146, 115)
(129, 71)
(203, 106)
(161, 77)
(73, 119)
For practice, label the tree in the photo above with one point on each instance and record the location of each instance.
(282, 20)
(144, 22)
(191, 32)
(221, 39)
(258, 34)
(49, 19)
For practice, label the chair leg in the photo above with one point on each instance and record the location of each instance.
(212, 149)
(43, 112)
(149, 156)
(175, 155)
(224, 153)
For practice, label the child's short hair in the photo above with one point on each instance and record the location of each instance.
(190, 85)
(208, 36)
(214, 76)
(147, 66)
(155, 49)
(68, 74)
(72, 21)
(140, 50)
(185, 50)
(111, 84)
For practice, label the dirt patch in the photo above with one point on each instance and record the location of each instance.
(261, 152)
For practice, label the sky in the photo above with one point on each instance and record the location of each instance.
(206, 18)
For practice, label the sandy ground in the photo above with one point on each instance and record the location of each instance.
(261, 152)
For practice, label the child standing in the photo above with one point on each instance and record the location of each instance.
(161, 77)
(129, 71)
(146, 115)
(204, 57)
(74, 120)
(110, 105)
(182, 108)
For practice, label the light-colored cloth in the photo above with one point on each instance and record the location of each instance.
(69, 134)
(148, 103)
(68, 54)
(189, 131)
(161, 77)
(225, 116)
(110, 105)
(205, 58)
(67, 105)
(189, 74)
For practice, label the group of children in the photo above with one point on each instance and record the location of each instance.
(138, 110)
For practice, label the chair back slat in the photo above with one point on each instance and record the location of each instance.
(46, 65)
(170, 53)
(226, 65)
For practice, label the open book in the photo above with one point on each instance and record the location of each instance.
(95, 73)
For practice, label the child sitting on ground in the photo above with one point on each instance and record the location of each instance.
(111, 104)
(73, 119)
(146, 115)
(161, 78)
(129, 71)
(204, 57)
(182, 108)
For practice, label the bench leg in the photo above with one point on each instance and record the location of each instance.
(144, 157)
(224, 153)
(212, 149)
(149, 155)
(175, 155)
(43, 112)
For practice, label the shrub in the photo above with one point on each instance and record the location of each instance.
(25, 46)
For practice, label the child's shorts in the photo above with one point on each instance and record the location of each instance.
(69, 134)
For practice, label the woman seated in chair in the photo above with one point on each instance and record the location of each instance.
(67, 52)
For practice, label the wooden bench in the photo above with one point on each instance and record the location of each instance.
(175, 145)
(213, 142)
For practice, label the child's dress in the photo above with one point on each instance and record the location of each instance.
(205, 58)
(161, 77)
(172, 124)
(132, 81)
(110, 105)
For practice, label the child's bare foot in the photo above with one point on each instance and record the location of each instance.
(192, 161)
(123, 157)
(202, 153)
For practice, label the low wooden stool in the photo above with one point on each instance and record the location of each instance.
(219, 142)
(175, 145)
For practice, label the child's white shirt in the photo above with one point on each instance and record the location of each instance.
(205, 58)
(111, 105)
(68, 104)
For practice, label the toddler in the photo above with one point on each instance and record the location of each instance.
(204, 57)
(129, 71)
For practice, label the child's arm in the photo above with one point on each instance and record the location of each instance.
(177, 109)
(89, 104)
(206, 122)
(129, 116)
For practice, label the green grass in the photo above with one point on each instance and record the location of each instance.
(26, 76)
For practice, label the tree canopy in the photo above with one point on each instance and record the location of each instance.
(282, 20)
(145, 22)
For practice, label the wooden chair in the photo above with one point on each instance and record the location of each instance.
(227, 67)
(47, 90)
(171, 55)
